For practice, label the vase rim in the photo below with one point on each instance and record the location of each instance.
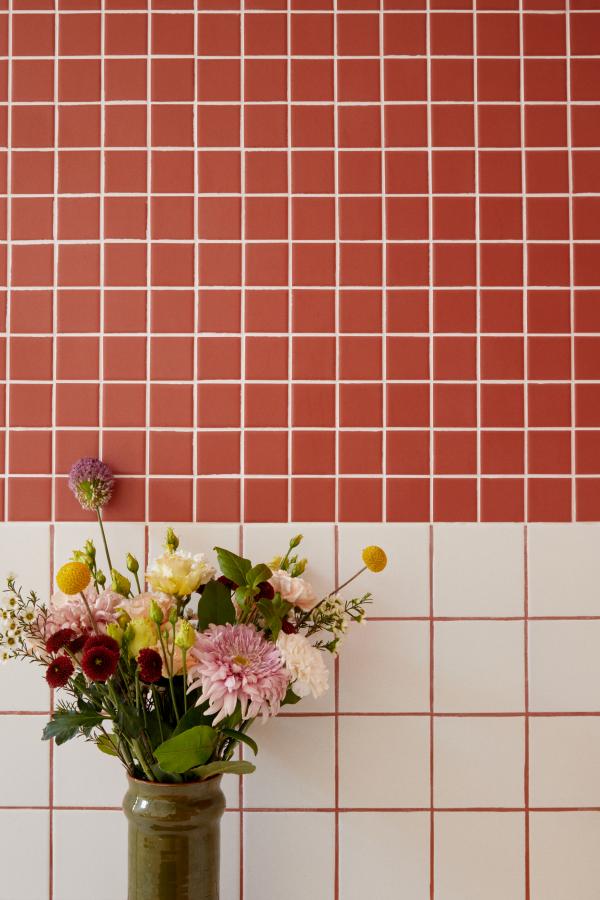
(173, 784)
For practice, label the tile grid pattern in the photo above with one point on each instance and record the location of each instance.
(299, 243)
(447, 697)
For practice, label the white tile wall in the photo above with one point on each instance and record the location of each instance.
(365, 775)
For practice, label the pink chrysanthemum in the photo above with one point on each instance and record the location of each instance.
(71, 612)
(232, 663)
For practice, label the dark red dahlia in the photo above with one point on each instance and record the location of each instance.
(77, 643)
(102, 640)
(150, 665)
(289, 627)
(59, 639)
(99, 662)
(266, 591)
(59, 671)
(228, 582)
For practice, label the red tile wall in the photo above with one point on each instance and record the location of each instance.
(316, 262)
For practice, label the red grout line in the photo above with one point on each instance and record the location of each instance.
(336, 738)
(431, 724)
(51, 759)
(526, 719)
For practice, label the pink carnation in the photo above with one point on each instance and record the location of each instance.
(70, 612)
(232, 663)
(139, 607)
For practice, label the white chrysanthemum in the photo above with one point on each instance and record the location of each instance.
(179, 574)
(304, 663)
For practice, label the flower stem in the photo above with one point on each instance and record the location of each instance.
(184, 667)
(102, 532)
(167, 656)
(91, 615)
(346, 583)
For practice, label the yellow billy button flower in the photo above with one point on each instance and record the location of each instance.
(73, 577)
(374, 559)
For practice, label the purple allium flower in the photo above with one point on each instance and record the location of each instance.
(92, 482)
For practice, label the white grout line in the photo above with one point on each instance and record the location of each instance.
(55, 256)
(477, 261)
(384, 273)
(8, 323)
(196, 436)
(525, 269)
(101, 231)
(571, 262)
(290, 236)
(430, 244)
(148, 258)
(243, 13)
(336, 181)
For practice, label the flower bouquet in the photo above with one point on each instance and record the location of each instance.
(167, 672)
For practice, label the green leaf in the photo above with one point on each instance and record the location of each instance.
(194, 716)
(128, 720)
(165, 777)
(240, 736)
(191, 748)
(107, 743)
(215, 606)
(234, 767)
(67, 723)
(233, 566)
(290, 698)
(259, 573)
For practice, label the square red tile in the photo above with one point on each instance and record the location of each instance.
(266, 311)
(29, 452)
(266, 405)
(313, 405)
(219, 453)
(267, 358)
(218, 500)
(502, 452)
(408, 405)
(360, 452)
(549, 499)
(313, 452)
(588, 499)
(265, 500)
(407, 499)
(170, 499)
(549, 358)
(125, 451)
(502, 499)
(29, 499)
(454, 358)
(455, 500)
(501, 358)
(360, 499)
(549, 405)
(455, 405)
(361, 405)
(313, 358)
(313, 499)
(77, 405)
(408, 453)
(455, 452)
(219, 406)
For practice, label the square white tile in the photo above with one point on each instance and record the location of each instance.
(78, 837)
(402, 589)
(479, 667)
(122, 538)
(565, 863)
(23, 687)
(564, 666)
(24, 761)
(564, 569)
(230, 856)
(292, 852)
(479, 762)
(26, 555)
(380, 851)
(195, 538)
(25, 838)
(384, 667)
(263, 542)
(384, 761)
(564, 754)
(83, 776)
(480, 855)
(295, 765)
(478, 570)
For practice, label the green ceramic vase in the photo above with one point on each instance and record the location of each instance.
(174, 839)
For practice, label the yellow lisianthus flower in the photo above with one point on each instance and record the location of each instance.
(374, 558)
(73, 577)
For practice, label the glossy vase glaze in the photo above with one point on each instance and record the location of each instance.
(174, 839)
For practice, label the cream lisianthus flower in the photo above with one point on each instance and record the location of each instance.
(178, 573)
(304, 664)
(296, 591)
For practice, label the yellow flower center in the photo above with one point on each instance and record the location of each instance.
(240, 660)
(73, 577)
(374, 558)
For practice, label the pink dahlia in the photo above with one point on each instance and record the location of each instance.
(232, 663)
(71, 612)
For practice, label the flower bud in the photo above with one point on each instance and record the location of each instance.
(116, 633)
(295, 541)
(100, 578)
(185, 634)
(132, 563)
(173, 615)
(89, 549)
(299, 567)
(172, 541)
(156, 613)
(123, 619)
(120, 584)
